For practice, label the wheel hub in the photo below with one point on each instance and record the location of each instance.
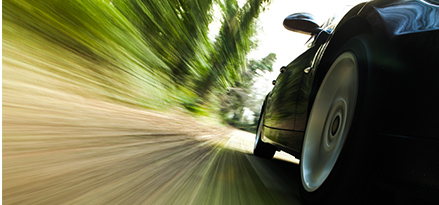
(334, 124)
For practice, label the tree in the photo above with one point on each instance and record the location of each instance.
(175, 29)
(240, 96)
(232, 45)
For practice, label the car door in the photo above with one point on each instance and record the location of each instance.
(286, 107)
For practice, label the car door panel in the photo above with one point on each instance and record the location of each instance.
(288, 100)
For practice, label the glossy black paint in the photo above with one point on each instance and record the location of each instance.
(302, 23)
(408, 17)
(287, 104)
(408, 48)
(405, 76)
(283, 110)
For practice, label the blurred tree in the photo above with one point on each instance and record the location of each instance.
(232, 45)
(150, 53)
(253, 69)
(241, 97)
(175, 29)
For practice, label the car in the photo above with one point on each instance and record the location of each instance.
(360, 106)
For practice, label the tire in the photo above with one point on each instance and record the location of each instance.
(340, 128)
(262, 149)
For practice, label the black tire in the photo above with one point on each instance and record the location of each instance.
(344, 175)
(262, 149)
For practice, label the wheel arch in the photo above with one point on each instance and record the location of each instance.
(355, 26)
(370, 71)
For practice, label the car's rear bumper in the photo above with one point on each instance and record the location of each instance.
(409, 166)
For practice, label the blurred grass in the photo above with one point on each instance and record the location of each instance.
(86, 45)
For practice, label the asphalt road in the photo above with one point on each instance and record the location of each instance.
(83, 151)
(133, 170)
(76, 150)
(64, 145)
(80, 151)
(63, 148)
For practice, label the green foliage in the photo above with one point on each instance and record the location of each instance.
(148, 53)
(175, 30)
(89, 43)
(232, 44)
(239, 97)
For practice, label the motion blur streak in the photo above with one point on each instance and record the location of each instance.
(108, 154)
(77, 77)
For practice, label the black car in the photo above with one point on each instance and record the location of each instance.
(360, 106)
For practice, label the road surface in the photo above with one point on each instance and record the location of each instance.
(77, 150)
(80, 151)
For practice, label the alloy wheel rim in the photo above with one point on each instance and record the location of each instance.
(329, 121)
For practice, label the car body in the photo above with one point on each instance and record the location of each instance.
(393, 106)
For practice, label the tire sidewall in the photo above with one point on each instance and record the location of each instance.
(261, 148)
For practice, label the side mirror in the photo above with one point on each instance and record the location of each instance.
(302, 23)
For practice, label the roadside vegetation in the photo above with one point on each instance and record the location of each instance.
(150, 54)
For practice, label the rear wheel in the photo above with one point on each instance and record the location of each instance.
(262, 149)
(332, 164)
